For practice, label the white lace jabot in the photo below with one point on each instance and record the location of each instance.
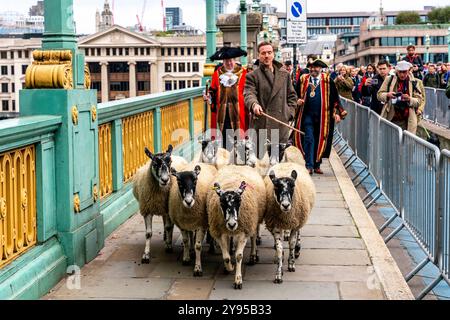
(228, 79)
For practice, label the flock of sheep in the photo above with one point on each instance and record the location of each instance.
(228, 195)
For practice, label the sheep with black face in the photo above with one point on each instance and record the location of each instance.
(290, 194)
(213, 154)
(187, 206)
(235, 208)
(151, 186)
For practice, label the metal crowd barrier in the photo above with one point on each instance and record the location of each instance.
(437, 108)
(413, 176)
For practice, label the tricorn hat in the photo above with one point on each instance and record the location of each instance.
(228, 53)
(317, 63)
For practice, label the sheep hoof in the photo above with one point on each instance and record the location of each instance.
(186, 262)
(278, 280)
(291, 269)
(238, 286)
(145, 259)
(253, 260)
(169, 249)
(198, 273)
(258, 241)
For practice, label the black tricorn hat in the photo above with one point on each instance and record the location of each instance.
(317, 63)
(228, 53)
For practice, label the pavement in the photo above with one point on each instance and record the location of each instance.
(343, 257)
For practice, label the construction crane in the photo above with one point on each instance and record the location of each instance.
(141, 19)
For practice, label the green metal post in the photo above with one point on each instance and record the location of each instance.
(211, 32)
(157, 131)
(79, 224)
(117, 154)
(243, 30)
(427, 48)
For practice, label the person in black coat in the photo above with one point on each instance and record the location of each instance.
(415, 60)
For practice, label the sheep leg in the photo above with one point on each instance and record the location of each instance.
(253, 252)
(241, 241)
(192, 237)
(148, 237)
(287, 235)
(186, 248)
(224, 241)
(199, 235)
(292, 243)
(298, 245)
(277, 235)
(168, 233)
(231, 246)
(211, 242)
(258, 235)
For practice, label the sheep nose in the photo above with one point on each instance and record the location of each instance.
(231, 225)
(285, 205)
(165, 180)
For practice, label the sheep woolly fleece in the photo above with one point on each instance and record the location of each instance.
(151, 197)
(302, 201)
(195, 217)
(253, 201)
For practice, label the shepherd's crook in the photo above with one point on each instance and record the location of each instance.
(282, 123)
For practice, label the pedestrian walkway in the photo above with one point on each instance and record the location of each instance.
(342, 257)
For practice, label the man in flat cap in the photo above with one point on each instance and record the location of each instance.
(403, 98)
(228, 113)
(320, 108)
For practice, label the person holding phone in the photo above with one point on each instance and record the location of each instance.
(344, 83)
(371, 87)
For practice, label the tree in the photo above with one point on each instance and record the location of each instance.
(439, 15)
(408, 17)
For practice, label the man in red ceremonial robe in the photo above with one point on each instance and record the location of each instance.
(320, 108)
(228, 112)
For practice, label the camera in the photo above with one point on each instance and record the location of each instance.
(398, 98)
(374, 82)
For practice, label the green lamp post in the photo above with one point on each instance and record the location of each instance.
(211, 32)
(243, 9)
(427, 48)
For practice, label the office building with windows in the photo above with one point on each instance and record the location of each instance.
(376, 42)
(174, 17)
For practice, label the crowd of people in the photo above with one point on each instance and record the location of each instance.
(271, 96)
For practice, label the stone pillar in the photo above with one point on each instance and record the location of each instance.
(154, 85)
(105, 82)
(133, 91)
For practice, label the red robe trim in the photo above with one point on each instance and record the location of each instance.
(325, 113)
(216, 88)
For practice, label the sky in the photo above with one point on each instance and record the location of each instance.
(194, 11)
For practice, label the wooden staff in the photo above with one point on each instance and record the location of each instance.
(282, 123)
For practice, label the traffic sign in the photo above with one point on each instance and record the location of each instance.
(296, 10)
(296, 21)
(296, 32)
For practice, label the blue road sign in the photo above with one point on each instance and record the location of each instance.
(296, 9)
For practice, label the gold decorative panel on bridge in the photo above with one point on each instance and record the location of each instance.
(105, 159)
(175, 124)
(17, 203)
(199, 116)
(137, 133)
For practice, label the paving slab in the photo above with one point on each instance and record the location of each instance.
(334, 262)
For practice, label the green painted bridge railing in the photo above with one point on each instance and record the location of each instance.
(65, 176)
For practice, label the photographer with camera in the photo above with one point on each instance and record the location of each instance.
(403, 98)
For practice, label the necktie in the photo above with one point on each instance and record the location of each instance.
(315, 81)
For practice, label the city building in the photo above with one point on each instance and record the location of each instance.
(322, 47)
(15, 23)
(376, 42)
(344, 22)
(15, 56)
(104, 20)
(126, 64)
(221, 7)
(174, 17)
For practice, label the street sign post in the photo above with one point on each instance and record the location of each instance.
(296, 21)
